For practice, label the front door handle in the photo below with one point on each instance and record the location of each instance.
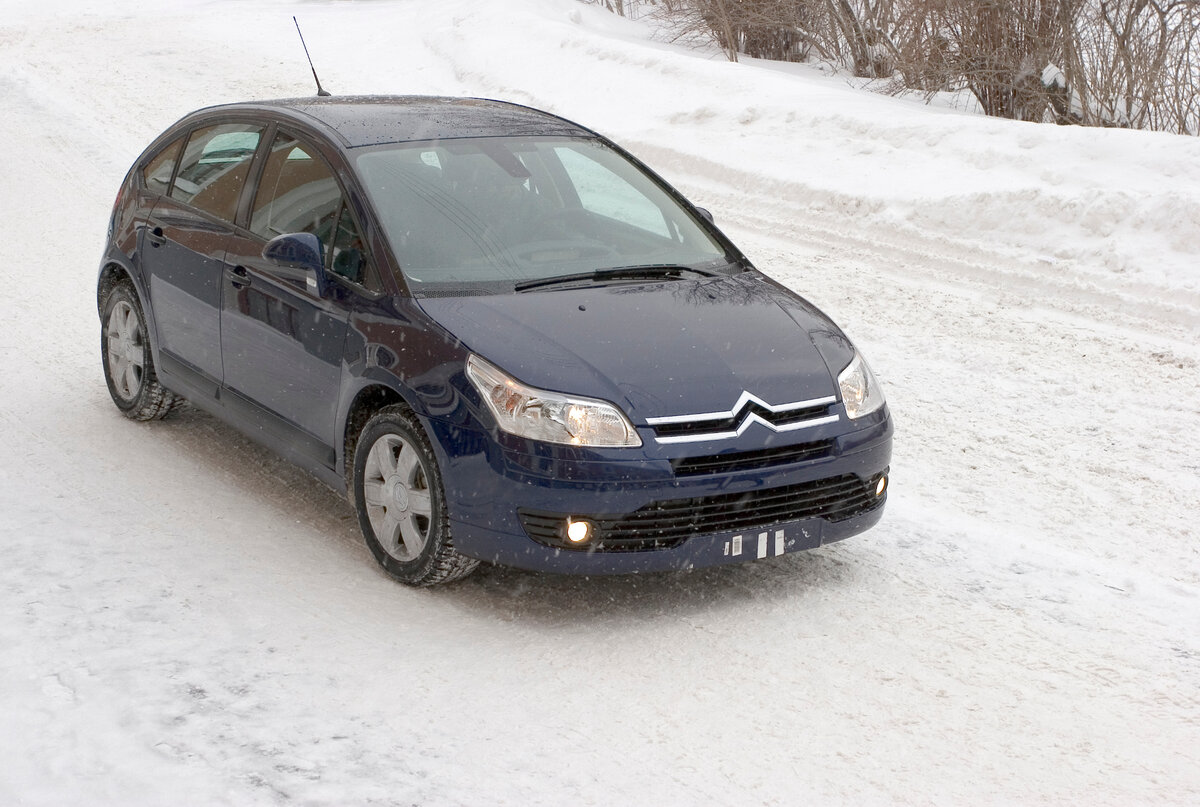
(239, 277)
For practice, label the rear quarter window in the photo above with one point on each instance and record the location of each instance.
(157, 173)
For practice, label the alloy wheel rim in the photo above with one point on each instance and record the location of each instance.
(126, 353)
(397, 497)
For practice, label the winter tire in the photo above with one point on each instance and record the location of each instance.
(401, 506)
(128, 363)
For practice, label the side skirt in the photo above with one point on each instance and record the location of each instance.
(261, 425)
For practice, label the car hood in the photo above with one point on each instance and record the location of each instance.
(657, 349)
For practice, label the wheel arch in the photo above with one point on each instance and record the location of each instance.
(112, 272)
(368, 400)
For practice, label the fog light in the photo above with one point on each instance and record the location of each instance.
(578, 531)
(881, 486)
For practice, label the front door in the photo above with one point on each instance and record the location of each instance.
(282, 344)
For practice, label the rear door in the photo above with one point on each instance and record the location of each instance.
(184, 248)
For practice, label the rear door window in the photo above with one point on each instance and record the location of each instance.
(214, 165)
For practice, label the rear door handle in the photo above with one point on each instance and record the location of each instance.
(156, 238)
(239, 277)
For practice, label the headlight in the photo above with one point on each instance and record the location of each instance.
(860, 391)
(549, 416)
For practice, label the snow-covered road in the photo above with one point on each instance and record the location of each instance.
(185, 618)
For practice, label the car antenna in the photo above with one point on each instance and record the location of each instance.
(321, 91)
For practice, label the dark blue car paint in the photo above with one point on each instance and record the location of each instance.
(295, 362)
(713, 338)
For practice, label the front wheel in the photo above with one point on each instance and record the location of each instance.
(401, 505)
(128, 363)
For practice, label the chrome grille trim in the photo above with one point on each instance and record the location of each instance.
(751, 418)
(748, 416)
(745, 398)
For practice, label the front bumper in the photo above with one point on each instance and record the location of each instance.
(494, 485)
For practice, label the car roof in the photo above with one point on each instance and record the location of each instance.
(368, 120)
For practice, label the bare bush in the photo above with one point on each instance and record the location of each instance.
(1135, 64)
(865, 29)
(999, 48)
(783, 30)
(1095, 62)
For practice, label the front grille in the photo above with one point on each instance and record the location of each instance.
(666, 524)
(751, 460)
(779, 421)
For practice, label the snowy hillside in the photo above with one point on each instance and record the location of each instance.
(186, 619)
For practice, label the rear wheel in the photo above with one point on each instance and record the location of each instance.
(128, 363)
(401, 505)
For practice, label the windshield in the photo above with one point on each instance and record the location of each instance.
(486, 214)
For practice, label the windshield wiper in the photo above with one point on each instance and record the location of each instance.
(651, 271)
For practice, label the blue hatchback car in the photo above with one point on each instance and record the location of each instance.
(500, 334)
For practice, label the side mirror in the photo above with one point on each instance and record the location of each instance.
(298, 256)
(706, 215)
